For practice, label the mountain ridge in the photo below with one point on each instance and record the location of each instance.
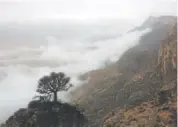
(117, 87)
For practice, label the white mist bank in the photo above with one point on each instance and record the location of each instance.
(23, 65)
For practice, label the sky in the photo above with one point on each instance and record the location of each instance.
(88, 10)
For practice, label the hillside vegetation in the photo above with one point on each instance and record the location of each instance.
(136, 78)
(161, 110)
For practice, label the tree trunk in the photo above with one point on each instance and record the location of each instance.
(55, 97)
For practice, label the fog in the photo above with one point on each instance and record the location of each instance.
(86, 10)
(70, 36)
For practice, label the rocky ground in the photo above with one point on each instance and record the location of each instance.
(158, 112)
(147, 114)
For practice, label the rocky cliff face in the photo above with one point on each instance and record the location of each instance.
(161, 110)
(134, 79)
(167, 59)
(47, 114)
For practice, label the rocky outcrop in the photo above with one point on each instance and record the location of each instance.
(167, 59)
(47, 114)
(134, 79)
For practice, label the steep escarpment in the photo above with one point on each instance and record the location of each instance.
(161, 110)
(47, 114)
(167, 59)
(134, 79)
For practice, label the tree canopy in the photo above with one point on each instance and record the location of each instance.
(53, 83)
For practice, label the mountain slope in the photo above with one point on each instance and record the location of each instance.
(160, 111)
(130, 81)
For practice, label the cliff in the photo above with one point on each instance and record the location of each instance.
(167, 59)
(47, 114)
(160, 111)
(133, 80)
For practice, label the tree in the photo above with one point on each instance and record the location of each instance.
(53, 83)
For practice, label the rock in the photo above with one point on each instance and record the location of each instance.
(134, 117)
(147, 114)
(40, 114)
(166, 92)
(167, 57)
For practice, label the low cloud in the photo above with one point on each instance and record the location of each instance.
(22, 65)
(70, 36)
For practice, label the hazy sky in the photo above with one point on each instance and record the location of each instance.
(38, 10)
